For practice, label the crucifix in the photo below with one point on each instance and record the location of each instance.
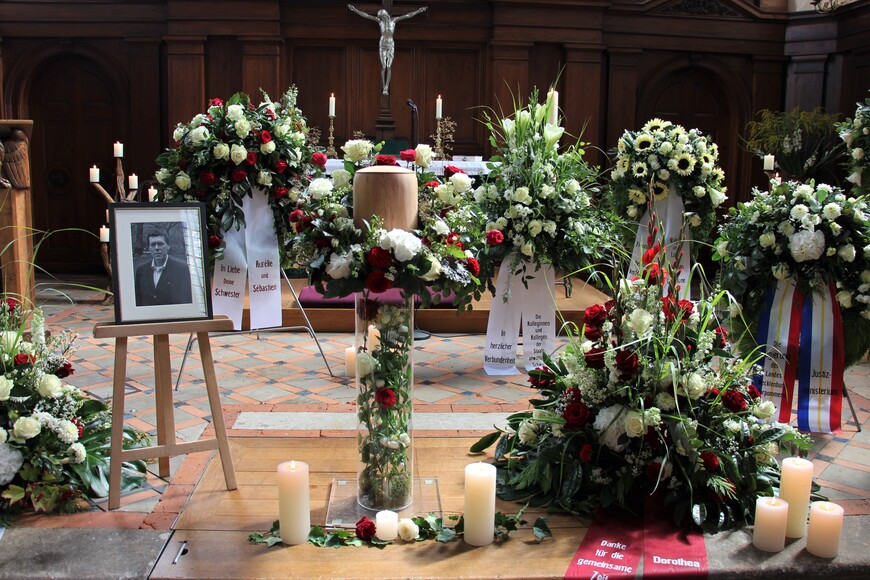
(387, 47)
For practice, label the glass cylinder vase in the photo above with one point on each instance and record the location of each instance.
(384, 380)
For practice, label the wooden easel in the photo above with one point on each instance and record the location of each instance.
(166, 444)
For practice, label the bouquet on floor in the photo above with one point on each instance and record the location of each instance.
(343, 259)
(815, 234)
(647, 400)
(539, 200)
(856, 135)
(54, 441)
(234, 149)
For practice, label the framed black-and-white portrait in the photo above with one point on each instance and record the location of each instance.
(159, 262)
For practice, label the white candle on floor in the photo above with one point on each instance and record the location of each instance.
(479, 517)
(293, 502)
(350, 361)
(826, 526)
(797, 480)
(386, 525)
(771, 515)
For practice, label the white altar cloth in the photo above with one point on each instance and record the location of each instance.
(469, 167)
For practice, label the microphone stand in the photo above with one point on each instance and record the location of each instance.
(419, 334)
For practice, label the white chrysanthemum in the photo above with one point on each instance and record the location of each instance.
(857, 154)
(831, 211)
(767, 240)
(77, 453)
(535, 227)
(11, 461)
(806, 245)
(805, 191)
(798, 212)
(356, 150)
(67, 431)
(339, 265)
(521, 195)
(666, 401)
(320, 187)
(404, 245)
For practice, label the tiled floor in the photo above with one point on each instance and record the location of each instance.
(284, 373)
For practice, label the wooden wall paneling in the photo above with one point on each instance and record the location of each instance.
(509, 72)
(805, 87)
(185, 74)
(2, 84)
(223, 67)
(454, 74)
(768, 82)
(317, 72)
(582, 97)
(622, 65)
(145, 92)
(402, 86)
(261, 66)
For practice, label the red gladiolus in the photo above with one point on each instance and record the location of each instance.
(65, 370)
(380, 258)
(280, 192)
(319, 159)
(628, 364)
(651, 254)
(595, 315)
(494, 237)
(385, 160)
(586, 453)
(280, 166)
(721, 336)
(710, 460)
(409, 155)
(377, 282)
(473, 266)
(239, 175)
(207, 178)
(386, 397)
(734, 401)
(365, 529)
(216, 102)
(595, 358)
(451, 170)
(576, 415)
(265, 136)
(251, 159)
(214, 241)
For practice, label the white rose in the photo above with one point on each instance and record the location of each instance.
(535, 227)
(50, 387)
(356, 150)
(693, 386)
(199, 135)
(163, 175)
(404, 245)
(857, 154)
(764, 409)
(242, 127)
(238, 153)
(267, 147)
(26, 428)
(441, 228)
(633, 424)
(182, 181)
(264, 177)
(341, 178)
(699, 191)
(235, 112)
(527, 432)
(847, 252)
(319, 187)
(527, 249)
(767, 239)
(408, 530)
(339, 265)
(640, 321)
(365, 364)
(461, 182)
(632, 211)
(221, 151)
(434, 270)
(424, 156)
(5, 388)
(178, 133)
(609, 426)
(521, 195)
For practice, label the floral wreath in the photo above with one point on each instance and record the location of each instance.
(343, 259)
(664, 159)
(233, 149)
(856, 134)
(814, 233)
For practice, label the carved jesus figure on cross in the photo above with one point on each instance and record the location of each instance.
(387, 47)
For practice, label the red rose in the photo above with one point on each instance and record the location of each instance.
(239, 175)
(710, 460)
(295, 216)
(451, 170)
(595, 315)
(214, 241)
(280, 192)
(494, 237)
(734, 401)
(385, 160)
(409, 155)
(22, 358)
(679, 310)
(11, 304)
(753, 392)
(78, 423)
(65, 370)
(377, 282)
(473, 266)
(592, 332)
(251, 159)
(216, 102)
(595, 357)
(207, 178)
(586, 453)
(380, 258)
(319, 159)
(365, 529)
(609, 306)
(576, 415)
(280, 166)
(386, 397)
(265, 136)
(628, 364)
(433, 184)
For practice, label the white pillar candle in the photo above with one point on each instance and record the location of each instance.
(768, 162)
(94, 174)
(332, 105)
(386, 525)
(826, 526)
(152, 193)
(374, 338)
(553, 100)
(438, 107)
(771, 515)
(104, 234)
(350, 361)
(118, 149)
(797, 480)
(133, 181)
(479, 518)
(293, 502)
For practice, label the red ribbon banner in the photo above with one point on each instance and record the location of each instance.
(672, 552)
(611, 549)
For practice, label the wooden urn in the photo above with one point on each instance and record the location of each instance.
(386, 191)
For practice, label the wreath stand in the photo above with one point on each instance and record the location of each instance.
(167, 446)
(307, 327)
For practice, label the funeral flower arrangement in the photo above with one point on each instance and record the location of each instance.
(54, 441)
(234, 149)
(538, 201)
(665, 159)
(343, 259)
(635, 406)
(813, 233)
(856, 135)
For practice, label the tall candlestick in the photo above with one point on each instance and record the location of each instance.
(350, 361)
(94, 174)
(133, 181)
(152, 193)
(118, 149)
(553, 100)
(771, 516)
(293, 502)
(438, 107)
(797, 481)
(386, 525)
(332, 105)
(826, 526)
(104, 234)
(768, 162)
(479, 518)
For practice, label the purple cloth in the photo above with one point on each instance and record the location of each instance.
(310, 298)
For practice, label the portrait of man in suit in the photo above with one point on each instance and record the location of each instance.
(165, 278)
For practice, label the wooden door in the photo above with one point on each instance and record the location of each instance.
(76, 120)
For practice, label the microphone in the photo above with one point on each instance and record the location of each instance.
(411, 104)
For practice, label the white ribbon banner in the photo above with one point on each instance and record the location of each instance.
(670, 214)
(251, 252)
